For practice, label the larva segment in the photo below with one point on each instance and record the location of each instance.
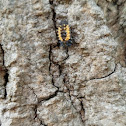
(67, 33)
(59, 34)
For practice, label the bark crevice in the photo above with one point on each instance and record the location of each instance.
(53, 15)
(35, 110)
(82, 112)
(114, 70)
(5, 70)
(5, 83)
(42, 123)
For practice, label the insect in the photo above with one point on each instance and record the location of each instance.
(64, 34)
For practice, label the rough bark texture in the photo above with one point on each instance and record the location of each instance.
(42, 84)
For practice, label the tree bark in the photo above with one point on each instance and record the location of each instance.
(43, 84)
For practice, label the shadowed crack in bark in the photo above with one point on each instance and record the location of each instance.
(36, 116)
(67, 52)
(5, 70)
(35, 110)
(42, 123)
(105, 75)
(54, 15)
(5, 83)
(51, 96)
(82, 112)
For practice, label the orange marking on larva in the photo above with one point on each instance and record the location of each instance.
(59, 34)
(67, 33)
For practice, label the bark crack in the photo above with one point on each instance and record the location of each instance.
(35, 110)
(51, 96)
(82, 112)
(4, 68)
(42, 123)
(5, 83)
(105, 75)
(36, 116)
(54, 15)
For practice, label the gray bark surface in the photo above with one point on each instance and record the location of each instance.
(42, 84)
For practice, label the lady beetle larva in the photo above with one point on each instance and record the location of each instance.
(64, 34)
